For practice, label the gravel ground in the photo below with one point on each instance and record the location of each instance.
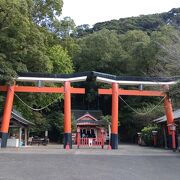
(129, 162)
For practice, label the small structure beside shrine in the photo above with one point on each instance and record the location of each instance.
(18, 131)
(91, 130)
(161, 121)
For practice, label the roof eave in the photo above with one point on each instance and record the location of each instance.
(125, 82)
(45, 79)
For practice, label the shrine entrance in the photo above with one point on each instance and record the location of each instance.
(67, 90)
(90, 131)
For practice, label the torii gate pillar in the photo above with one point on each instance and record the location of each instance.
(7, 116)
(67, 115)
(170, 121)
(114, 126)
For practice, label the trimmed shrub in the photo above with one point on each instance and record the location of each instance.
(147, 136)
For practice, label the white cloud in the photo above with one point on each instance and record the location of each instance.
(93, 11)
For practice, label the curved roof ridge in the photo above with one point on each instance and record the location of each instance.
(100, 77)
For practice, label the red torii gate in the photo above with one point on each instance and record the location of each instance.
(115, 91)
(67, 90)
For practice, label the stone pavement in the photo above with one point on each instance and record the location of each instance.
(129, 162)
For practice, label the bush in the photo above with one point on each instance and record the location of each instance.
(147, 136)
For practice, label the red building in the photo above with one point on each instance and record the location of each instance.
(90, 126)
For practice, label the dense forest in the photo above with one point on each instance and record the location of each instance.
(33, 39)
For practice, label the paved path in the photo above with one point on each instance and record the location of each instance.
(129, 162)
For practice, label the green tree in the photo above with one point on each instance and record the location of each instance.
(147, 135)
(60, 60)
(106, 119)
(167, 41)
(27, 43)
(23, 44)
(14, 25)
(65, 27)
(100, 51)
(44, 12)
(149, 112)
(56, 123)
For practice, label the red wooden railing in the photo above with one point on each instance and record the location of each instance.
(90, 142)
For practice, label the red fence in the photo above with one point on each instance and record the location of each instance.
(90, 142)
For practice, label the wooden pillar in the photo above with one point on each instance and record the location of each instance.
(165, 137)
(109, 132)
(155, 140)
(25, 136)
(7, 116)
(20, 136)
(67, 115)
(102, 138)
(170, 121)
(114, 126)
(78, 137)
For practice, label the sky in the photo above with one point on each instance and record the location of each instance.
(93, 11)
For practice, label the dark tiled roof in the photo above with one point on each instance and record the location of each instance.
(95, 113)
(79, 113)
(15, 115)
(163, 118)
